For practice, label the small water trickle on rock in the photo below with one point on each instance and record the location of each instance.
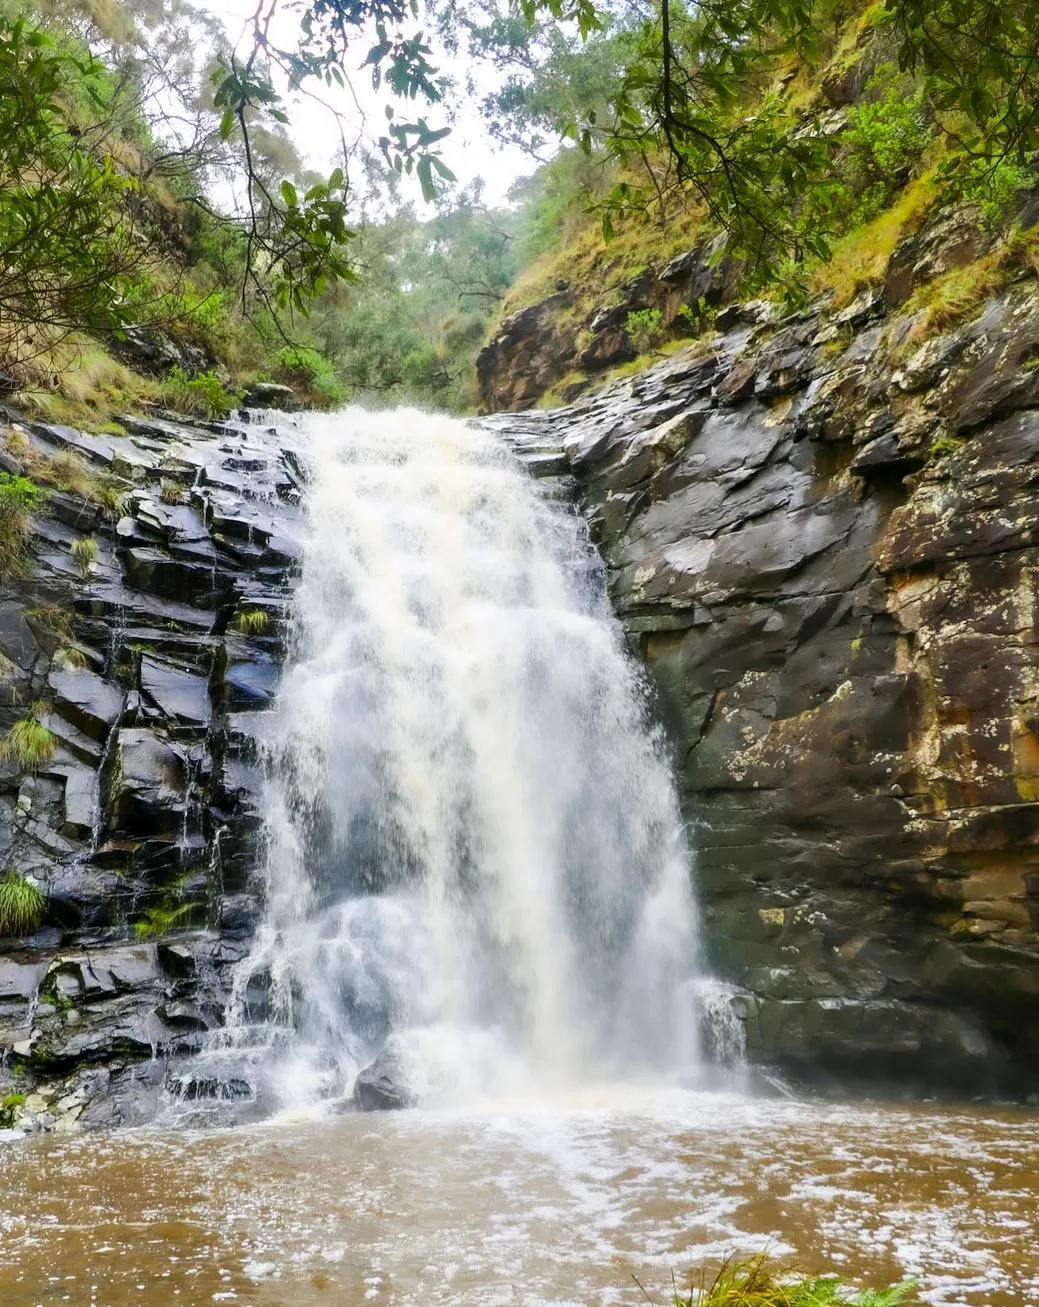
(475, 867)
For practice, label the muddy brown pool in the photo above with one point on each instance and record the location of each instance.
(557, 1203)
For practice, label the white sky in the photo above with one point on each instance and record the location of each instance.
(468, 151)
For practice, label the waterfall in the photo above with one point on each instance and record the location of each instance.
(473, 848)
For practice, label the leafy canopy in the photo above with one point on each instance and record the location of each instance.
(66, 239)
(692, 83)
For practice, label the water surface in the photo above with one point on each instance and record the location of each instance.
(563, 1202)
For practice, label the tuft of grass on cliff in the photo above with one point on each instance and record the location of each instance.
(22, 906)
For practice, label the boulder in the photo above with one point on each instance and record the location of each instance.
(382, 1087)
(271, 394)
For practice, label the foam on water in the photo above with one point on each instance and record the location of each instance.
(474, 852)
(564, 1199)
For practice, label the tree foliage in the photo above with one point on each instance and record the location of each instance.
(666, 102)
(66, 231)
(427, 290)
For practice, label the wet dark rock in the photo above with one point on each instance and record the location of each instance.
(147, 784)
(382, 1087)
(144, 822)
(86, 701)
(180, 695)
(17, 640)
(245, 676)
(150, 350)
(190, 1087)
(828, 562)
(158, 572)
(240, 914)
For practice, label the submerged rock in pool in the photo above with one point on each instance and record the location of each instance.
(381, 1087)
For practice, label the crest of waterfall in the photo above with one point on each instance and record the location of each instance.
(473, 848)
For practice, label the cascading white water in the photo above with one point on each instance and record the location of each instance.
(474, 852)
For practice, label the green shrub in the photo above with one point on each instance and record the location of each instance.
(995, 186)
(29, 743)
(645, 327)
(696, 318)
(22, 905)
(311, 374)
(883, 142)
(9, 1105)
(19, 497)
(204, 395)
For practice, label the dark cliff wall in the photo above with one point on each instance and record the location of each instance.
(148, 658)
(826, 545)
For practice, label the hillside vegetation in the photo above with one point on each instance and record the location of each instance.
(121, 283)
(163, 243)
(605, 224)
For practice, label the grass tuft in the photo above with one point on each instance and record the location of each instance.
(958, 295)
(170, 492)
(70, 657)
(860, 259)
(109, 497)
(164, 919)
(29, 742)
(85, 552)
(22, 905)
(251, 621)
(52, 625)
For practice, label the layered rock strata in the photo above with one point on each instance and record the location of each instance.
(149, 654)
(822, 534)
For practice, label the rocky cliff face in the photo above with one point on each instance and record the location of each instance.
(150, 665)
(541, 345)
(824, 539)
(823, 536)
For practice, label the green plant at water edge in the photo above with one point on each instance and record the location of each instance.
(645, 327)
(9, 1106)
(85, 552)
(309, 373)
(757, 1282)
(22, 905)
(251, 621)
(170, 492)
(29, 742)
